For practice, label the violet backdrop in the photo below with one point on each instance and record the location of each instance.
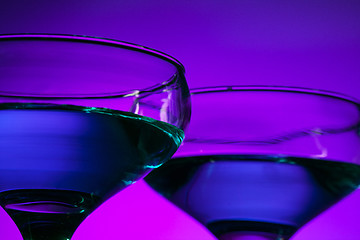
(295, 43)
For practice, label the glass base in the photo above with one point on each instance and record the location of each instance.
(47, 214)
(250, 230)
(251, 236)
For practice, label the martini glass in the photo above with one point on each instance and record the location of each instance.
(259, 162)
(81, 118)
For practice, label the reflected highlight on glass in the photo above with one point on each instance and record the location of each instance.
(81, 118)
(259, 162)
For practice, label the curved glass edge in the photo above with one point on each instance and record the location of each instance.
(238, 88)
(185, 116)
(179, 74)
(96, 40)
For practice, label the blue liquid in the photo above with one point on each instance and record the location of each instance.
(60, 162)
(254, 193)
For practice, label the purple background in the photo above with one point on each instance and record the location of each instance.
(297, 43)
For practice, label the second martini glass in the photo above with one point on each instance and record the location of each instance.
(259, 162)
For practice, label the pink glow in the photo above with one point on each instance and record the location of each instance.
(128, 216)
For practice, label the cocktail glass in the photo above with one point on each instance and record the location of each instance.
(81, 118)
(258, 162)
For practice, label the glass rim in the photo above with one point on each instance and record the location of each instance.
(100, 41)
(275, 88)
(96, 40)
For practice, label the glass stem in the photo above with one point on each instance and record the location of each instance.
(251, 236)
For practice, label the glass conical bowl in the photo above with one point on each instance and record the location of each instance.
(80, 119)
